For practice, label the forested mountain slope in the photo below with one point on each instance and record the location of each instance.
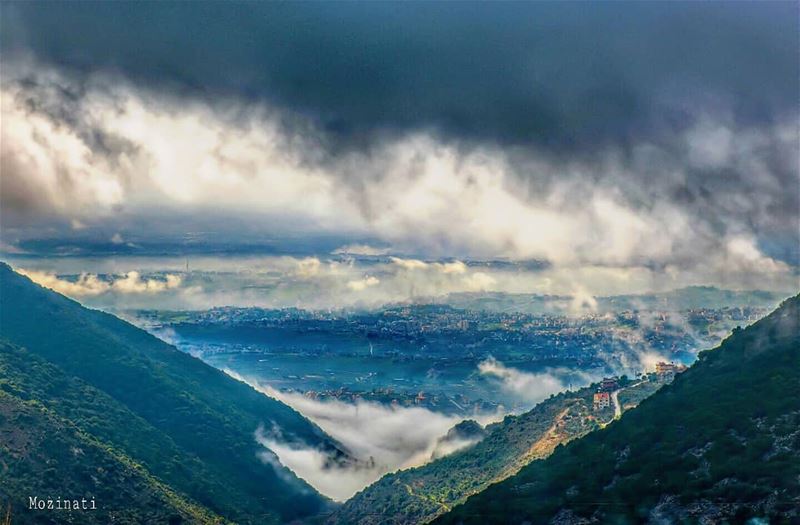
(46, 457)
(418, 495)
(188, 424)
(720, 444)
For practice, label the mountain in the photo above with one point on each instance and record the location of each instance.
(463, 433)
(418, 495)
(721, 444)
(47, 457)
(191, 427)
(692, 297)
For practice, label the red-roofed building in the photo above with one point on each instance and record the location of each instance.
(602, 400)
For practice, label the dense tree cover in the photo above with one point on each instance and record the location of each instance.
(46, 457)
(720, 444)
(190, 424)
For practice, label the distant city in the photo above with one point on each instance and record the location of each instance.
(429, 355)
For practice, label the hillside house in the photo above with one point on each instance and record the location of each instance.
(609, 384)
(601, 400)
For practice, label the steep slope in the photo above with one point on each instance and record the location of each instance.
(46, 457)
(25, 377)
(420, 494)
(191, 424)
(720, 444)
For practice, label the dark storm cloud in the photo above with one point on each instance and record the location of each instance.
(559, 75)
(658, 135)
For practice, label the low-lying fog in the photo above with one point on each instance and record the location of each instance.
(383, 438)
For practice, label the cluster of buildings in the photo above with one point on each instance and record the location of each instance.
(602, 398)
(664, 373)
(425, 329)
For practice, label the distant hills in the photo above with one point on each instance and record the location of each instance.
(91, 406)
(721, 444)
(692, 297)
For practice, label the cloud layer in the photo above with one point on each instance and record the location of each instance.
(528, 387)
(98, 152)
(343, 282)
(563, 76)
(382, 438)
(386, 438)
(88, 285)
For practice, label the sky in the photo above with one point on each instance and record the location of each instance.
(376, 150)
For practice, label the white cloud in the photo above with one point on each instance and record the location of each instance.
(414, 192)
(87, 285)
(318, 283)
(383, 438)
(308, 267)
(132, 282)
(409, 264)
(582, 302)
(360, 249)
(336, 481)
(742, 255)
(454, 267)
(479, 282)
(362, 284)
(445, 447)
(526, 386)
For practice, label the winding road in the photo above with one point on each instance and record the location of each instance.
(617, 407)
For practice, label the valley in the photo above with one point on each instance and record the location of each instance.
(399, 263)
(431, 355)
(497, 393)
(353, 372)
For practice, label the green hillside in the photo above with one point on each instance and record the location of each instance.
(720, 444)
(190, 425)
(46, 457)
(420, 494)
